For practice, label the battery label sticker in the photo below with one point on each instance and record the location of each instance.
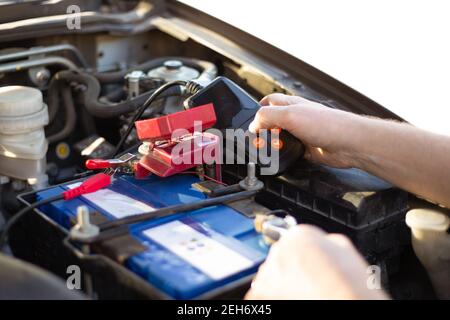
(206, 254)
(116, 204)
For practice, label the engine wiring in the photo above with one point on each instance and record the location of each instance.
(142, 109)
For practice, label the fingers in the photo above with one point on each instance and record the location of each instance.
(285, 112)
(343, 242)
(257, 288)
(340, 240)
(303, 232)
(310, 233)
(316, 154)
(308, 263)
(274, 99)
(300, 236)
(279, 99)
(273, 270)
(270, 117)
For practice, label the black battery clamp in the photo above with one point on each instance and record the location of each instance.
(236, 109)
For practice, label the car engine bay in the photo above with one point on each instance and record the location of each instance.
(68, 100)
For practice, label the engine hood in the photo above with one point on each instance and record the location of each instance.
(366, 63)
(393, 53)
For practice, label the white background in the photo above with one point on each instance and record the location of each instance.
(396, 52)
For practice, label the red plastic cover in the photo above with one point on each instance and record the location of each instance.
(162, 128)
(163, 162)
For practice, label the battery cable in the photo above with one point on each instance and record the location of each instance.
(114, 228)
(92, 184)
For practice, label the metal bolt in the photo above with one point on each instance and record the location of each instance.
(43, 75)
(83, 229)
(173, 64)
(273, 227)
(134, 78)
(18, 185)
(39, 76)
(251, 182)
(83, 216)
(298, 85)
(251, 174)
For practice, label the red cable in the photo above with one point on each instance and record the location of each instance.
(91, 184)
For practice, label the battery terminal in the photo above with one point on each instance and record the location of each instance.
(272, 227)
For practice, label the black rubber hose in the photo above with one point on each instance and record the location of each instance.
(53, 99)
(87, 122)
(70, 116)
(118, 76)
(115, 96)
(106, 110)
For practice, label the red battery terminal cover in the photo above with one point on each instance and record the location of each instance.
(163, 128)
(159, 156)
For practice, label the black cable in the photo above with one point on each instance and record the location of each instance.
(177, 208)
(116, 228)
(142, 109)
(13, 220)
(225, 190)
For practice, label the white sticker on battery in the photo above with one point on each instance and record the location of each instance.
(206, 254)
(116, 204)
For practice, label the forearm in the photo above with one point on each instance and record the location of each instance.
(413, 159)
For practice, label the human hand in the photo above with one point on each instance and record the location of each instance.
(325, 131)
(307, 263)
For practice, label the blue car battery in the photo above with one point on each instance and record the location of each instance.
(187, 254)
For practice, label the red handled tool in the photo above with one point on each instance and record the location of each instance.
(91, 184)
(125, 161)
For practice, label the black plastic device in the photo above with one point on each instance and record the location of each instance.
(235, 109)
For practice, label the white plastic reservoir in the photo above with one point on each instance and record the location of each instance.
(23, 146)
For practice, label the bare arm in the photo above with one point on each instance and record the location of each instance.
(408, 157)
